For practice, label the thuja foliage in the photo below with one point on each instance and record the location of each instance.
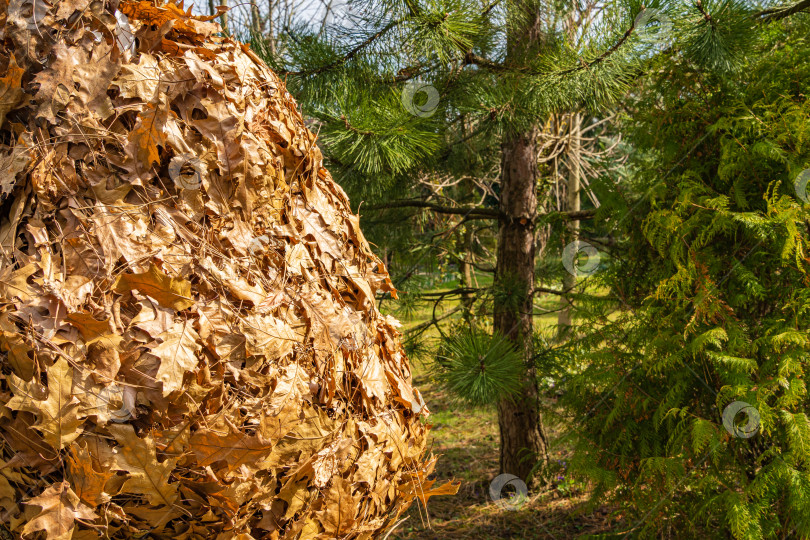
(713, 306)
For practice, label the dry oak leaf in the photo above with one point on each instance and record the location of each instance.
(268, 336)
(178, 354)
(140, 81)
(11, 92)
(182, 22)
(56, 81)
(58, 414)
(152, 318)
(86, 479)
(174, 293)
(138, 458)
(16, 351)
(118, 226)
(66, 8)
(14, 284)
(424, 490)
(340, 507)
(232, 446)
(61, 507)
(12, 164)
(147, 135)
(90, 328)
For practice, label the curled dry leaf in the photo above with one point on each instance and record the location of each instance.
(187, 315)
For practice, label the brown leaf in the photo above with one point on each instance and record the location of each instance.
(140, 80)
(423, 489)
(230, 446)
(268, 336)
(315, 227)
(56, 82)
(11, 92)
(60, 509)
(118, 228)
(88, 477)
(14, 284)
(57, 415)
(151, 14)
(138, 458)
(69, 7)
(17, 354)
(178, 355)
(145, 138)
(153, 319)
(340, 508)
(89, 327)
(94, 77)
(174, 293)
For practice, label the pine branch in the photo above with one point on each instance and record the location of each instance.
(775, 14)
(470, 213)
(480, 61)
(473, 212)
(451, 292)
(351, 54)
(473, 59)
(434, 320)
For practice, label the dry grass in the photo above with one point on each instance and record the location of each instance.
(467, 439)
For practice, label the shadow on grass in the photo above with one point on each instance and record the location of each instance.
(467, 440)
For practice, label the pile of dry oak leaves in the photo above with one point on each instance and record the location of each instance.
(190, 343)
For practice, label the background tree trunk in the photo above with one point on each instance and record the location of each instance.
(572, 203)
(255, 21)
(224, 17)
(465, 249)
(271, 28)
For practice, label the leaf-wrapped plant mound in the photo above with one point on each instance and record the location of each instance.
(190, 344)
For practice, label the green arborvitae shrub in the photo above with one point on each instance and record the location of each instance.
(711, 287)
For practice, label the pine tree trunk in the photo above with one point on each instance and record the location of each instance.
(522, 439)
(572, 204)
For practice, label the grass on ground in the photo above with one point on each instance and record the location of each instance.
(467, 440)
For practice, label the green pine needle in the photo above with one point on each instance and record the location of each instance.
(480, 369)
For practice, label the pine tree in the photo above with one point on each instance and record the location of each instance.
(402, 90)
(489, 73)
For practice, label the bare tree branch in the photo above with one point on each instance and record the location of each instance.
(472, 213)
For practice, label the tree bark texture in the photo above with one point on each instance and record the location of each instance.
(521, 433)
(522, 439)
(572, 203)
